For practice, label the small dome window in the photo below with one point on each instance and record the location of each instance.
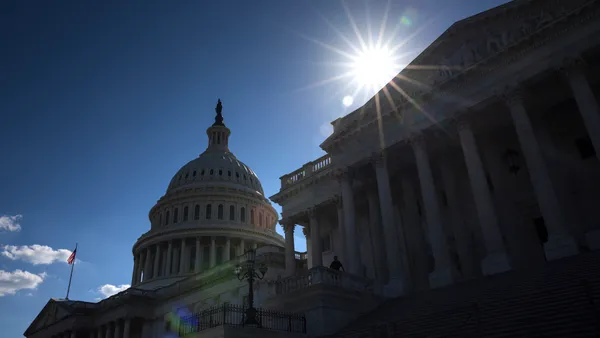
(208, 211)
(220, 172)
(180, 176)
(197, 212)
(243, 215)
(187, 175)
(237, 175)
(229, 173)
(244, 177)
(194, 173)
(167, 217)
(220, 211)
(202, 172)
(211, 171)
(185, 213)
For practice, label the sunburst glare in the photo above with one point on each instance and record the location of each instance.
(374, 67)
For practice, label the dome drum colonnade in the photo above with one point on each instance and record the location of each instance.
(214, 210)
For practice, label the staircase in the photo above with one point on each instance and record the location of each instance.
(558, 299)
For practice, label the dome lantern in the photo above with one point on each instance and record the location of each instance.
(218, 133)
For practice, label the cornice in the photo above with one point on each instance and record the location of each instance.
(293, 190)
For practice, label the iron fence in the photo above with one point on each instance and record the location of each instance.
(235, 315)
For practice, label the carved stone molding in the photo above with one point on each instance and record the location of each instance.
(379, 158)
(288, 226)
(339, 202)
(461, 123)
(312, 212)
(344, 174)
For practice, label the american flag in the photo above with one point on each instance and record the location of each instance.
(71, 258)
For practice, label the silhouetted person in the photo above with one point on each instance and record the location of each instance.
(336, 264)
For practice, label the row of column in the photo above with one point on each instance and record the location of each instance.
(151, 262)
(120, 328)
(560, 243)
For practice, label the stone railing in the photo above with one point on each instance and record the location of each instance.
(306, 171)
(325, 276)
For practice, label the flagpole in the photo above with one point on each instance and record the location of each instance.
(71, 276)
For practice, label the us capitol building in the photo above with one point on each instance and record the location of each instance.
(457, 198)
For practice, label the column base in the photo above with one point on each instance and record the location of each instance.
(560, 246)
(395, 287)
(441, 277)
(495, 262)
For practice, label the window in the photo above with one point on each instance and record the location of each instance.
(185, 213)
(218, 138)
(194, 173)
(175, 215)
(243, 215)
(231, 213)
(252, 217)
(197, 212)
(220, 172)
(180, 176)
(208, 210)
(220, 211)
(585, 147)
(244, 177)
(187, 175)
(237, 175)
(211, 171)
(168, 215)
(202, 172)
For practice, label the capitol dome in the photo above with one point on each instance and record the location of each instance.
(213, 210)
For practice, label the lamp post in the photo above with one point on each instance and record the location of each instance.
(248, 271)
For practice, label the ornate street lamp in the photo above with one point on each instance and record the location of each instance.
(249, 272)
(512, 160)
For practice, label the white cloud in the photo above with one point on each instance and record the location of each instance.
(35, 254)
(10, 223)
(108, 290)
(11, 282)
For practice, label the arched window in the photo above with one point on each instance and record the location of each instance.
(243, 215)
(197, 212)
(167, 216)
(185, 213)
(208, 210)
(252, 216)
(220, 211)
(231, 213)
(220, 172)
(211, 171)
(175, 215)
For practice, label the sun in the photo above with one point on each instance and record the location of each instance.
(373, 67)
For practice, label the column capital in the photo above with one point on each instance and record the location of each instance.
(461, 122)
(512, 95)
(312, 211)
(572, 64)
(306, 231)
(339, 202)
(416, 140)
(378, 158)
(288, 226)
(344, 174)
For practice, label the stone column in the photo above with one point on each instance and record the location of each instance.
(315, 241)
(127, 328)
(169, 258)
(198, 263)
(398, 282)
(496, 258)
(560, 243)
(352, 246)
(108, 332)
(586, 100)
(227, 253)
(146, 328)
(182, 255)
(99, 332)
(443, 273)
(117, 330)
(156, 269)
(461, 233)
(135, 267)
(148, 265)
(379, 253)
(213, 251)
(340, 218)
(242, 247)
(306, 232)
(140, 267)
(73, 334)
(290, 253)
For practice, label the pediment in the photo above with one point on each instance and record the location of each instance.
(465, 45)
(479, 37)
(52, 312)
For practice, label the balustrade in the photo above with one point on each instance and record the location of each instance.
(324, 276)
(307, 170)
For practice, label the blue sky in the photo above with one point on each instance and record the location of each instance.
(101, 102)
